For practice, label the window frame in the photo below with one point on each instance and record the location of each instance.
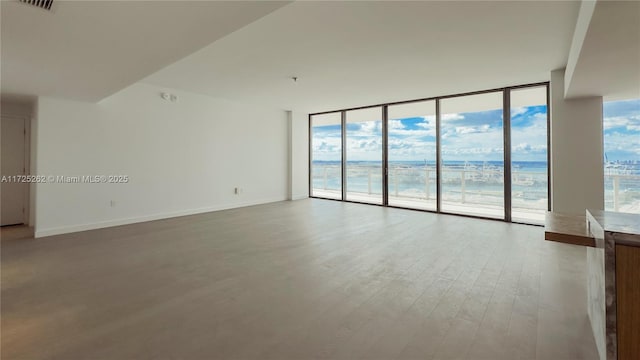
(506, 108)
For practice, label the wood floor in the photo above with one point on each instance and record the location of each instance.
(310, 279)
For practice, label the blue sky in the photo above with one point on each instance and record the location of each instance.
(474, 136)
(622, 130)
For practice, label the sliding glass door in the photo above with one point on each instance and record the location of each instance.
(529, 180)
(326, 155)
(472, 152)
(621, 137)
(364, 155)
(481, 154)
(412, 155)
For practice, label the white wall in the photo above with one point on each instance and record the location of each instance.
(182, 158)
(299, 160)
(577, 171)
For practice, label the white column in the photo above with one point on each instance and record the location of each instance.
(577, 171)
(298, 155)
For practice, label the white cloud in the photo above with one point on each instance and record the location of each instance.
(451, 117)
(444, 117)
(411, 149)
(427, 124)
(540, 118)
(327, 144)
(518, 111)
(395, 143)
(472, 151)
(397, 128)
(370, 127)
(364, 145)
(396, 125)
(460, 130)
(413, 133)
(631, 123)
(622, 142)
(615, 122)
(528, 148)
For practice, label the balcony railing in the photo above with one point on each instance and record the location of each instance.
(482, 186)
(622, 192)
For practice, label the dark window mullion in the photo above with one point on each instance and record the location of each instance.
(506, 125)
(385, 155)
(438, 159)
(548, 150)
(344, 154)
(310, 140)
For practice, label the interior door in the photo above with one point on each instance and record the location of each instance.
(13, 163)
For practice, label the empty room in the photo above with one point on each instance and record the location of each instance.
(320, 180)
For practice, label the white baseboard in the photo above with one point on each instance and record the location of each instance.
(117, 222)
(299, 197)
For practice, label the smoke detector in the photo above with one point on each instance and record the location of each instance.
(42, 4)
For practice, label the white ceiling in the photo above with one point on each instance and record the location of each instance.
(345, 54)
(608, 62)
(349, 54)
(87, 50)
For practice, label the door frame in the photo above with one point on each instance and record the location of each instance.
(26, 121)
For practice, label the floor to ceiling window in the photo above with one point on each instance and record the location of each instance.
(412, 155)
(326, 155)
(621, 128)
(529, 157)
(481, 154)
(472, 168)
(364, 155)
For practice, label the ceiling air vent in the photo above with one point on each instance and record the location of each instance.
(43, 4)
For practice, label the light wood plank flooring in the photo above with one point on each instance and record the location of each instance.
(309, 279)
